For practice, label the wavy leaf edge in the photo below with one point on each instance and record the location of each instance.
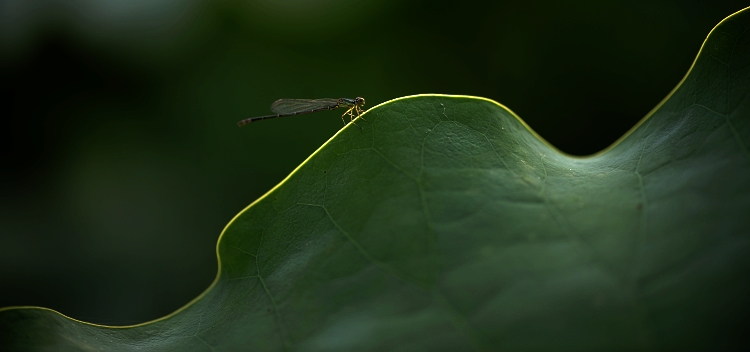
(323, 146)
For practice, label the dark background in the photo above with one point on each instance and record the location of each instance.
(121, 160)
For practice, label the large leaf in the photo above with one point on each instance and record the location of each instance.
(445, 223)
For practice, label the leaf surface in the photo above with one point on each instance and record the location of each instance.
(445, 223)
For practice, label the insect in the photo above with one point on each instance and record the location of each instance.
(291, 107)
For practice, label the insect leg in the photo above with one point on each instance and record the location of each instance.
(359, 113)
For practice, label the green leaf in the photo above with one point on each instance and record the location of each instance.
(445, 223)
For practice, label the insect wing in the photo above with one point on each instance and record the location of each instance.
(291, 106)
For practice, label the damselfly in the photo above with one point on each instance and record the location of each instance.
(291, 107)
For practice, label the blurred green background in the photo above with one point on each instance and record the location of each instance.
(122, 161)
